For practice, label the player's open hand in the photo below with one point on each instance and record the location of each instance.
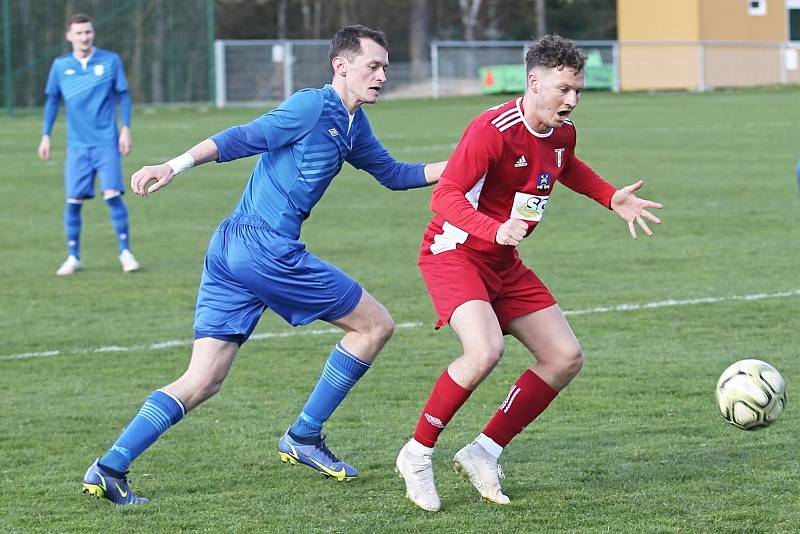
(151, 178)
(511, 232)
(632, 208)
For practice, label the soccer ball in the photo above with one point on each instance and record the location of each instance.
(751, 394)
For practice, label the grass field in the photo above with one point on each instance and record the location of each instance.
(635, 444)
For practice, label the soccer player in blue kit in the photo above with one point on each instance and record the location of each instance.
(255, 260)
(90, 80)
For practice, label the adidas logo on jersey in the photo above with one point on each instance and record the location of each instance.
(521, 162)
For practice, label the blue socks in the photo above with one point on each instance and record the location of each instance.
(72, 225)
(119, 220)
(159, 412)
(340, 374)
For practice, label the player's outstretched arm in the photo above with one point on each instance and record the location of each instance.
(151, 178)
(433, 171)
(632, 208)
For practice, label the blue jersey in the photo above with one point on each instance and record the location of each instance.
(90, 97)
(303, 144)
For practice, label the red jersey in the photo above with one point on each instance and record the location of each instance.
(503, 169)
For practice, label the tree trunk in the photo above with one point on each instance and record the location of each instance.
(135, 71)
(541, 19)
(157, 65)
(469, 17)
(493, 26)
(347, 12)
(418, 43)
(281, 18)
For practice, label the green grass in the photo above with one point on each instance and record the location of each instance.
(635, 444)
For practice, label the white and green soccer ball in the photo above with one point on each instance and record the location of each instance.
(751, 394)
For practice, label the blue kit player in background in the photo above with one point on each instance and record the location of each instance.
(255, 260)
(90, 81)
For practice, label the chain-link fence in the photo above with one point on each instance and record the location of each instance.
(255, 71)
(166, 46)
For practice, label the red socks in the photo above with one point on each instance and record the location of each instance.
(445, 400)
(527, 399)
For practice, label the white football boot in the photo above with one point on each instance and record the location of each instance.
(70, 266)
(128, 262)
(482, 469)
(415, 466)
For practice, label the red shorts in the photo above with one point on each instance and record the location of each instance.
(455, 277)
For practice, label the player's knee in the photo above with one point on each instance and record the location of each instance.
(485, 356)
(383, 329)
(111, 193)
(570, 362)
(208, 387)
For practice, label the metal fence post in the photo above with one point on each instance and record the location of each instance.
(288, 61)
(701, 66)
(435, 70)
(782, 75)
(220, 94)
(9, 67)
(211, 46)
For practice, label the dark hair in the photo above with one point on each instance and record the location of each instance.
(78, 18)
(347, 41)
(555, 52)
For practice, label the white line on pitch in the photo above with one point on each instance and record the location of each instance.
(317, 332)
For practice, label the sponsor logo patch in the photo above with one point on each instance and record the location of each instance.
(528, 207)
(544, 181)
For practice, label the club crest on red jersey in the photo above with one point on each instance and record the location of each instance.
(544, 181)
(559, 156)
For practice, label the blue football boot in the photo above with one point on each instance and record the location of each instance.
(317, 456)
(100, 484)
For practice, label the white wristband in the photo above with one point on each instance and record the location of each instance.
(181, 163)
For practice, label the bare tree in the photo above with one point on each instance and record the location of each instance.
(541, 19)
(469, 17)
(157, 63)
(280, 14)
(347, 12)
(493, 14)
(418, 32)
(311, 14)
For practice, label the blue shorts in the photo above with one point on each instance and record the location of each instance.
(82, 166)
(249, 268)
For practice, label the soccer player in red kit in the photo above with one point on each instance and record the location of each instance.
(491, 195)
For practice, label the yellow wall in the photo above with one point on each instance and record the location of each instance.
(728, 20)
(658, 20)
(647, 62)
(655, 67)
